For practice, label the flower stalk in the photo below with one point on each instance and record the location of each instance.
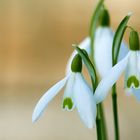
(100, 119)
(101, 122)
(115, 112)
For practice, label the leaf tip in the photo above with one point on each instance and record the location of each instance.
(74, 45)
(130, 13)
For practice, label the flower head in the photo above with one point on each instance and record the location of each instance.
(77, 94)
(103, 45)
(131, 65)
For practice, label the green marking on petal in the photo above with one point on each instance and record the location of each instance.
(132, 80)
(68, 103)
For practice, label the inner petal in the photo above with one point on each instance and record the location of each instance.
(132, 74)
(68, 104)
(132, 81)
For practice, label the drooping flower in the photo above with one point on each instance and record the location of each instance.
(102, 50)
(131, 65)
(103, 45)
(77, 94)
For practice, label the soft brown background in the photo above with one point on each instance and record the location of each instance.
(35, 43)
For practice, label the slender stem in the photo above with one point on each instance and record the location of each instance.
(100, 119)
(115, 112)
(99, 124)
(92, 49)
(131, 28)
(104, 129)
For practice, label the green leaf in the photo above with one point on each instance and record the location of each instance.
(118, 38)
(94, 23)
(95, 17)
(88, 64)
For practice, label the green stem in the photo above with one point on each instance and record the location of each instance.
(99, 124)
(115, 112)
(92, 50)
(104, 129)
(100, 120)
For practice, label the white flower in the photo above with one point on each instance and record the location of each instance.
(131, 65)
(103, 50)
(77, 94)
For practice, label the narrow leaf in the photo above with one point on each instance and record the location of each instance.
(94, 23)
(88, 64)
(118, 38)
(95, 16)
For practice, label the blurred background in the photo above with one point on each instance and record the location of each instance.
(35, 43)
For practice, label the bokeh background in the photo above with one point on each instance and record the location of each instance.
(35, 43)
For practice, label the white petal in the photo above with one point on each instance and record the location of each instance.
(85, 44)
(132, 68)
(68, 93)
(84, 101)
(103, 50)
(109, 80)
(138, 55)
(123, 51)
(46, 98)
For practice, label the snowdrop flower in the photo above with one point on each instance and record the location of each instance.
(102, 47)
(77, 94)
(131, 65)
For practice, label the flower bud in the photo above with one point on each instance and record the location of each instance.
(134, 40)
(76, 65)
